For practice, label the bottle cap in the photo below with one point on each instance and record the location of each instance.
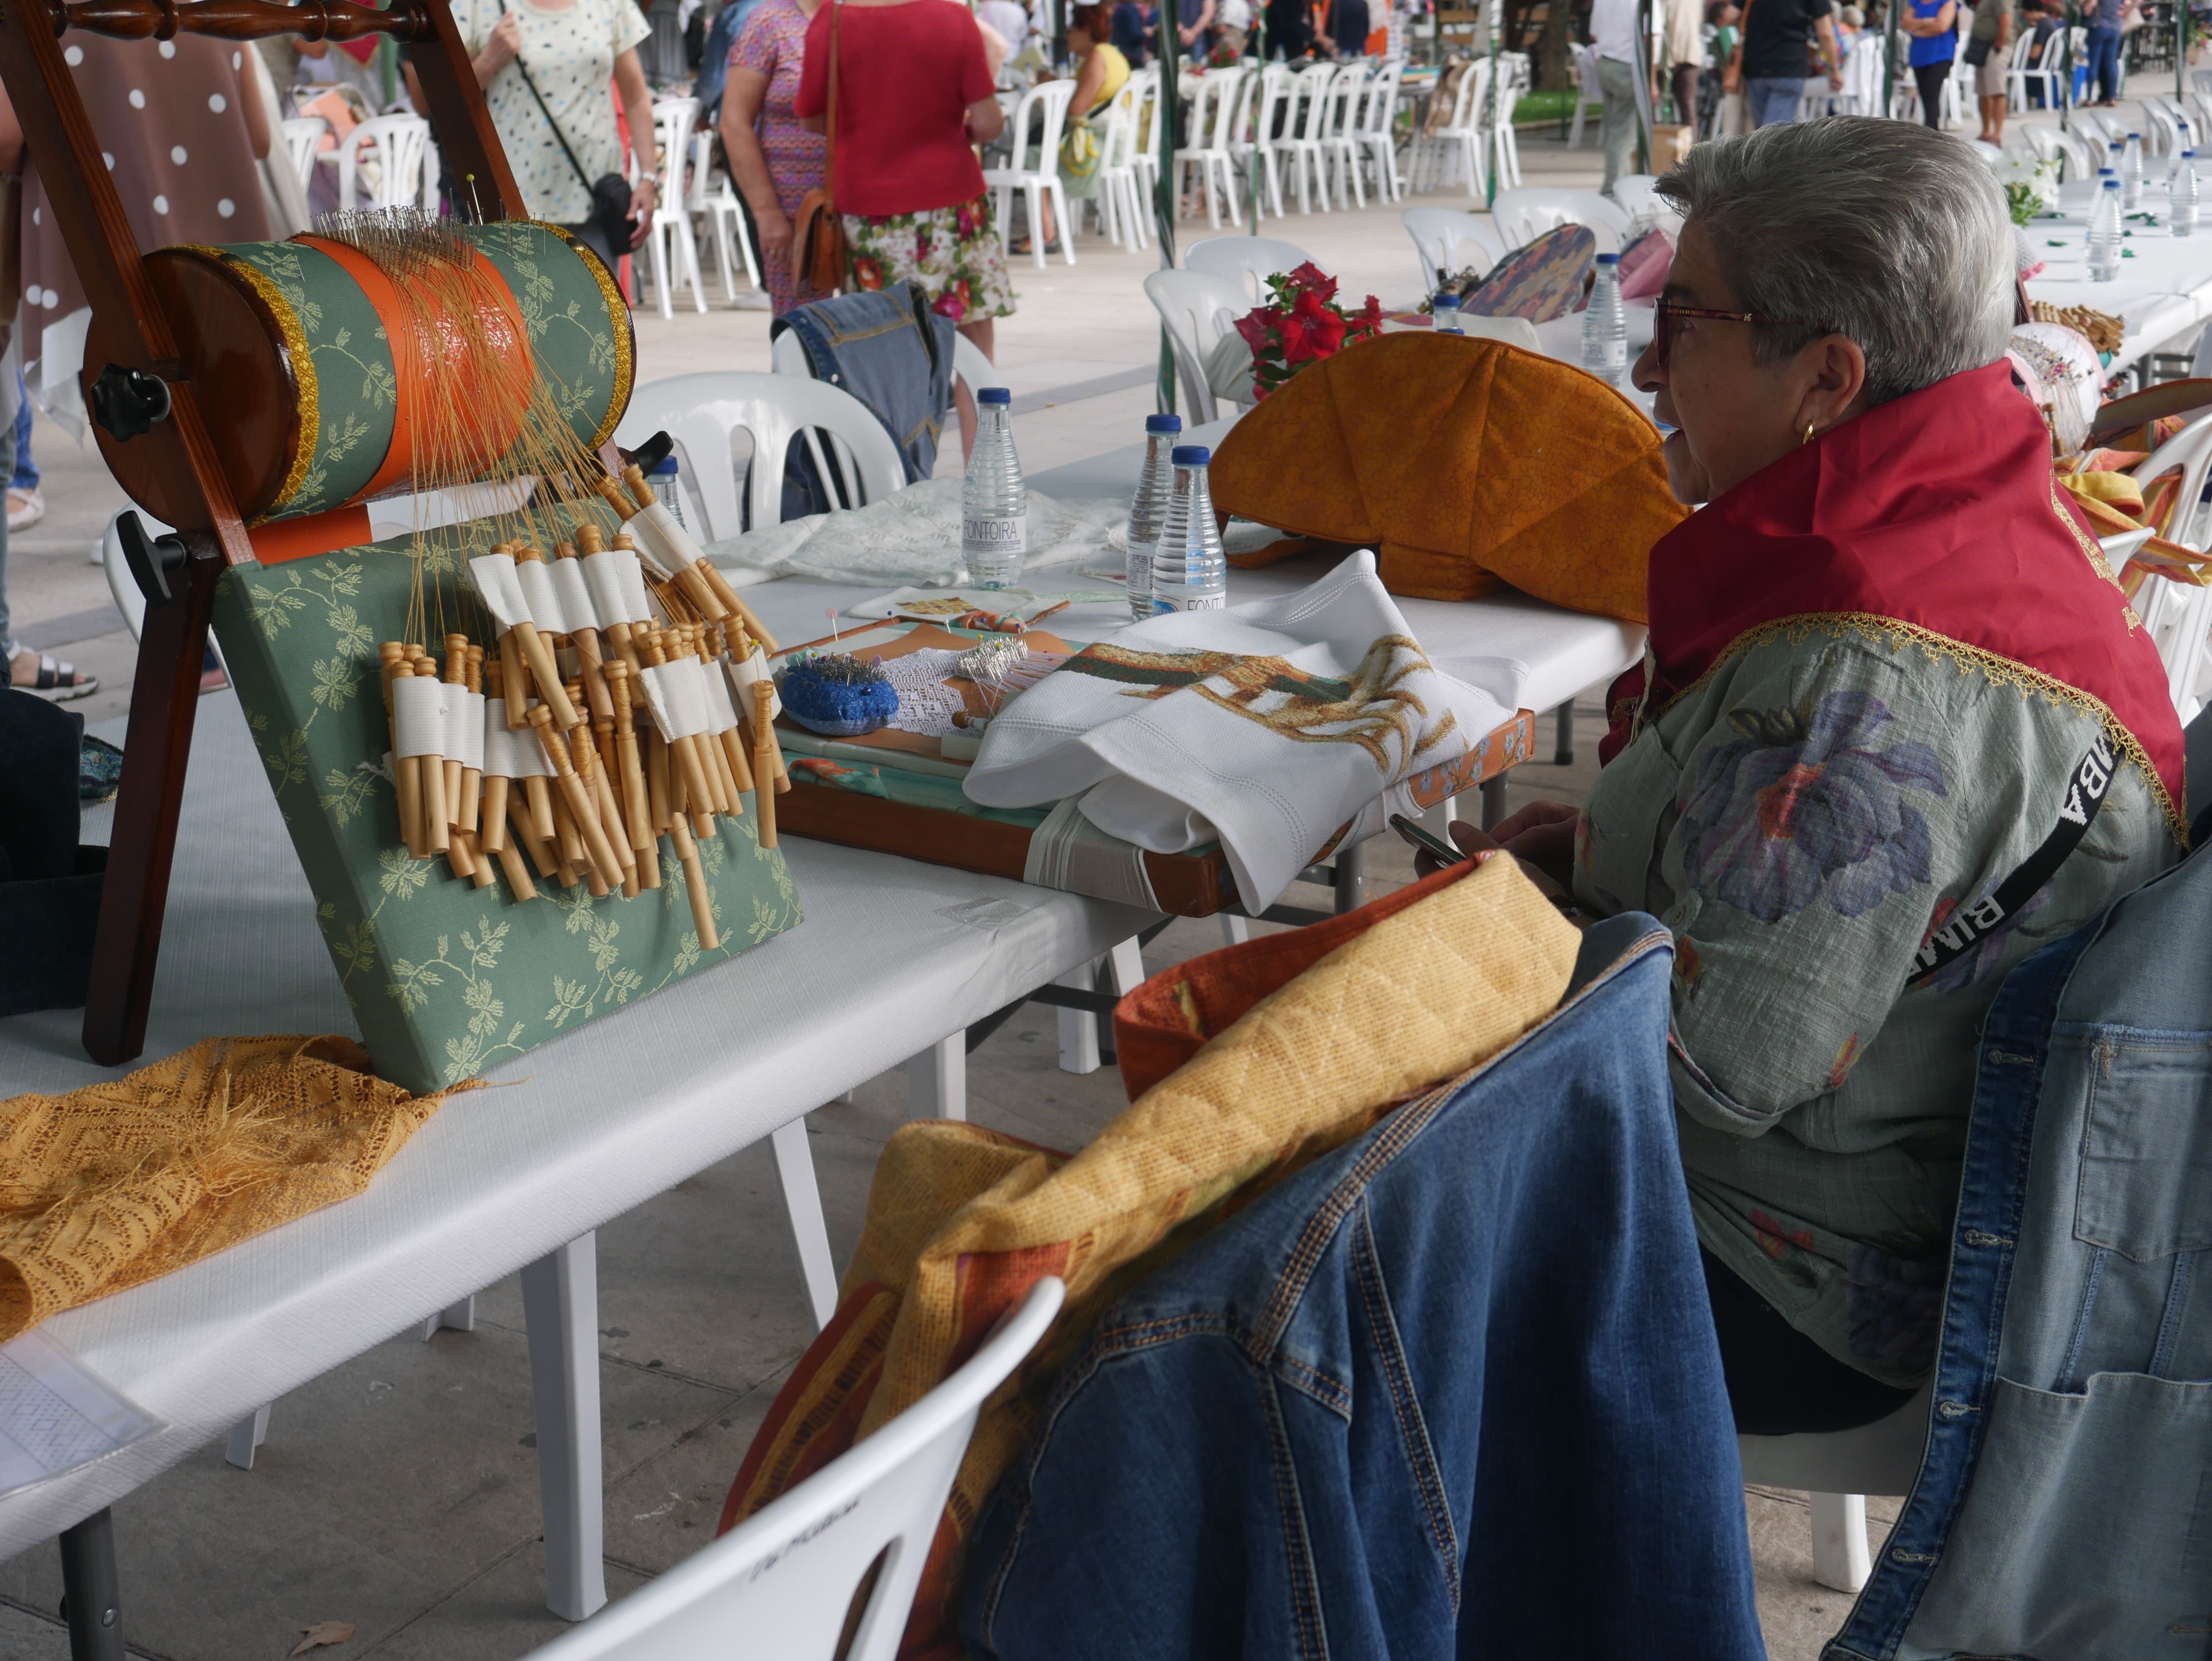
(994, 395)
(1608, 260)
(1192, 455)
(2190, 156)
(2111, 184)
(1162, 424)
(2135, 135)
(1447, 301)
(667, 465)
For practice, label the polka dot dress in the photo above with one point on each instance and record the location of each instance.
(571, 56)
(167, 117)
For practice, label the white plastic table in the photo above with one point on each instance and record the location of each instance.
(594, 1123)
(2163, 292)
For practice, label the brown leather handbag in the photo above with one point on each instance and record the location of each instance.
(819, 257)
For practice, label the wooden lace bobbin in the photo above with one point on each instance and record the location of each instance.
(695, 883)
(725, 600)
(470, 816)
(519, 882)
(724, 783)
(732, 739)
(520, 830)
(543, 671)
(456, 674)
(581, 807)
(658, 789)
(517, 674)
(435, 825)
(491, 814)
(629, 765)
(676, 643)
(688, 578)
(685, 751)
(406, 772)
(589, 657)
(608, 812)
(589, 539)
(479, 871)
(764, 763)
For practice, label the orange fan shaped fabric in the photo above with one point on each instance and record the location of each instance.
(1463, 462)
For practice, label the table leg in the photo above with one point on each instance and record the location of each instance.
(246, 1437)
(1078, 1028)
(1562, 742)
(459, 1318)
(937, 1080)
(1493, 801)
(92, 1600)
(1350, 880)
(561, 1307)
(810, 1231)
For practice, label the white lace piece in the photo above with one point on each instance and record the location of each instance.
(927, 705)
(913, 536)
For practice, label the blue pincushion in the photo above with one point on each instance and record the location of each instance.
(837, 695)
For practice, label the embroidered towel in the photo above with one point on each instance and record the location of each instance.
(1273, 726)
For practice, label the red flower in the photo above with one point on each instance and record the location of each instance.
(1368, 320)
(963, 216)
(867, 274)
(1309, 278)
(951, 305)
(1258, 329)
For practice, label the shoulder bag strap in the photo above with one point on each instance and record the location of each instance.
(829, 137)
(1969, 926)
(543, 109)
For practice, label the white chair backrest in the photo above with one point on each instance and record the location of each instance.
(397, 142)
(2044, 141)
(968, 364)
(1382, 100)
(703, 412)
(781, 1583)
(1343, 95)
(1044, 106)
(1118, 147)
(673, 119)
(1274, 87)
(1863, 73)
(1247, 261)
(303, 134)
(1311, 121)
(1638, 195)
(1524, 213)
(1473, 92)
(1444, 238)
(1197, 308)
(1229, 91)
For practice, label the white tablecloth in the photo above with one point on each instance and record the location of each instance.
(2163, 292)
(893, 956)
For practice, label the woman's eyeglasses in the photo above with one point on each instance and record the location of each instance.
(1667, 316)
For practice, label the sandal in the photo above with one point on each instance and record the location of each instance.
(58, 683)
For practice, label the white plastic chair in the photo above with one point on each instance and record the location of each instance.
(1339, 140)
(1446, 241)
(303, 136)
(1120, 201)
(398, 142)
(674, 250)
(716, 203)
(2177, 617)
(1305, 142)
(781, 1583)
(1255, 145)
(1862, 93)
(1197, 308)
(1501, 143)
(702, 412)
(1838, 1469)
(1378, 133)
(2019, 73)
(1815, 99)
(1588, 96)
(1437, 156)
(1247, 261)
(1522, 216)
(1043, 107)
(1215, 99)
(1638, 196)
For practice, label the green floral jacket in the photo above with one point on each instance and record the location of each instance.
(1802, 820)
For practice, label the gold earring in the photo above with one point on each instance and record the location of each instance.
(1808, 433)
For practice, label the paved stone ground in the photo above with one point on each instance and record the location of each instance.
(399, 1491)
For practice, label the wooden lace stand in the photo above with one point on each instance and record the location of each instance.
(129, 318)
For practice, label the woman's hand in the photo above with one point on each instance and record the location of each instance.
(775, 233)
(642, 197)
(500, 50)
(1542, 835)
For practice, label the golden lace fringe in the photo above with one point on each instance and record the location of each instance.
(125, 1180)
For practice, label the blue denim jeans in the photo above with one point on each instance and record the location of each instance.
(1417, 1401)
(2104, 55)
(1768, 101)
(26, 476)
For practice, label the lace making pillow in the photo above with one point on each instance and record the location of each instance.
(1545, 280)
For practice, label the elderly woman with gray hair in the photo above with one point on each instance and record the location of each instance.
(1896, 727)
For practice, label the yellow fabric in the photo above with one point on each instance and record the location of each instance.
(1460, 461)
(123, 1181)
(1421, 997)
(1117, 75)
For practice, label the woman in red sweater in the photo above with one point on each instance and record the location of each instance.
(914, 99)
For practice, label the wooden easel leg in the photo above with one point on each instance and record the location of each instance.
(164, 700)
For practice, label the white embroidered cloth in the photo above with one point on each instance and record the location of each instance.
(912, 537)
(1272, 725)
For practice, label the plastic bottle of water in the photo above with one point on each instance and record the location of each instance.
(2181, 195)
(2132, 172)
(1605, 324)
(1148, 508)
(1189, 573)
(1443, 313)
(994, 503)
(2105, 224)
(668, 485)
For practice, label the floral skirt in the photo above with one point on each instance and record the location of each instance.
(952, 254)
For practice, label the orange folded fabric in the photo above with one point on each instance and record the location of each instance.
(1462, 462)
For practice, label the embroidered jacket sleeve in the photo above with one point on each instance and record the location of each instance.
(1800, 821)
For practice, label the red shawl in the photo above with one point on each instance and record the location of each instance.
(1938, 509)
